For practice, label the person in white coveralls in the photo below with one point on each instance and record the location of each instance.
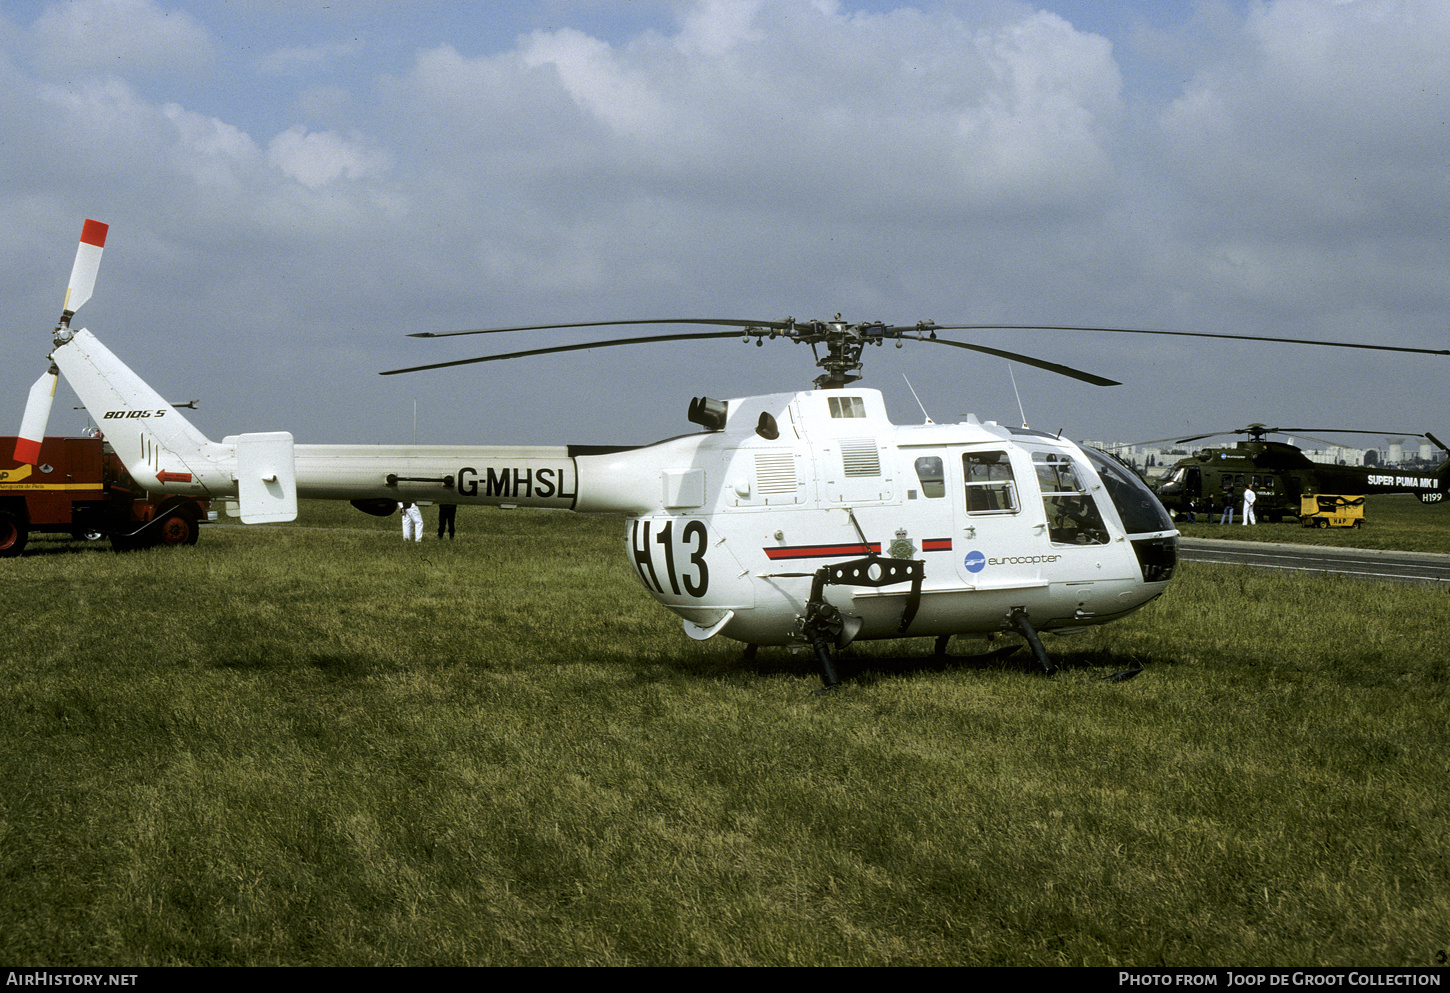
(412, 521)
(1249, 498)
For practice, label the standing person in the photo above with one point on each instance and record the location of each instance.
(1192, 511)
(1228, 506)
(412, 521)
(447, 514)
(1249, 498)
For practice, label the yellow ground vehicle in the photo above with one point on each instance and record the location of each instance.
(1331, 510)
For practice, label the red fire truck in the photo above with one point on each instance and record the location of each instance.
(79, 487)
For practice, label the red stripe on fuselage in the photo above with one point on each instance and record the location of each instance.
(820, 551)
(852, 548)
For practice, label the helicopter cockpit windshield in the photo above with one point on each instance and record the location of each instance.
(1137, 506)
(1143, 516)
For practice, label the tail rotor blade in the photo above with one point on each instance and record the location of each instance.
(88, 262)
(37, 416)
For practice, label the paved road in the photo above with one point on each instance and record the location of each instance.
(1413, 567)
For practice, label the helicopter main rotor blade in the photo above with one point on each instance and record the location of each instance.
(747, 327)
(1190, 334)
(566, 348)
(726, 321)
(844, 341)
(789, 324)
(1061, 370)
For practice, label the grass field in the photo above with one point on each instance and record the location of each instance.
(316, 745)
(1397, 521)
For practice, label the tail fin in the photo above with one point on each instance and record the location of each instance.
(160, 448)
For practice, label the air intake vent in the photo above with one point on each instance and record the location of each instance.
(775, 472)
(860, 457)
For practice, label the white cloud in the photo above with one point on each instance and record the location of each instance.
(624, 99)
(208, 150)
(1052, 106)
(1324, 126)
(304, 60)
(790, 104)
(716, 26)
(118, 37)
(316, 158)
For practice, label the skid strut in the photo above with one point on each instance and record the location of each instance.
(822, 623)
(1019, 621)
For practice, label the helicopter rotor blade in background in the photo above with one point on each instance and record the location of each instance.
(1300, 432)
(1305, 431)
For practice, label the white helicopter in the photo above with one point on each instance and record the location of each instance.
(803, 518)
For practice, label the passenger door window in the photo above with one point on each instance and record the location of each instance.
(991, 488)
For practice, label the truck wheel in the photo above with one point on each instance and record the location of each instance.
(177, 529)
(13, 534)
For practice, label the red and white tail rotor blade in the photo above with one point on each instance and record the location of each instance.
(37, 416)
(42, 394)
(88, 262)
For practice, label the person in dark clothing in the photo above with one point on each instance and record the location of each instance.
(447, 513)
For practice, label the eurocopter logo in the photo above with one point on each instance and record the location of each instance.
(976, 561)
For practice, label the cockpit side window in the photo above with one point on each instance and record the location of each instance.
(930, 472)
(1072, 515)
(991, 487)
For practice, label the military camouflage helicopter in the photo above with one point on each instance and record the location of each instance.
(799, 518)
(1280, 473)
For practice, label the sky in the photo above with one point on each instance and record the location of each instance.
(294, 187)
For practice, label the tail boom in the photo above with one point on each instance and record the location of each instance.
(266, 473)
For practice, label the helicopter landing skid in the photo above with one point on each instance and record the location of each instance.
(822, 624)
(1019, 621)
(996, 654)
